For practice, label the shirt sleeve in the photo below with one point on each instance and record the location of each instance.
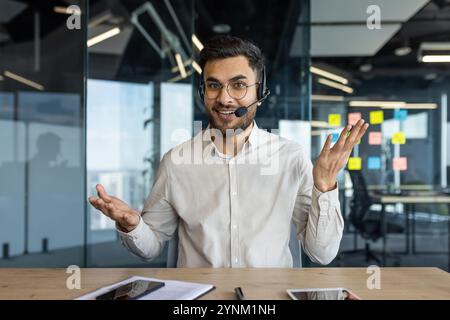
(158, 220)
(317, 216)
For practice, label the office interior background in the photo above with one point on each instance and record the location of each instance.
(93, 93)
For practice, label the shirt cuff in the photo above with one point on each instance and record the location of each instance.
(133, 233)
(327, 199)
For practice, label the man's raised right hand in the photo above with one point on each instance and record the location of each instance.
(114, 208)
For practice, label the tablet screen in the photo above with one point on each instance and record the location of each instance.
(323, 294)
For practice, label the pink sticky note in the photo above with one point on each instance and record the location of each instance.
(354, 117)
(375, 137)
(400, 164)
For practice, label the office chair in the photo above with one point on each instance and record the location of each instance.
(172, 251)
(367, 223)
(294, 246)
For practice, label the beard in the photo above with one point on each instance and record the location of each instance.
(238, 124)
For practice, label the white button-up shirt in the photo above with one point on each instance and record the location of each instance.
(236, 211)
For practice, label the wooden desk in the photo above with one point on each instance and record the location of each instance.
(410, 201)
(396, 283)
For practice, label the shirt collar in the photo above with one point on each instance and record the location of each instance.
(256, 137)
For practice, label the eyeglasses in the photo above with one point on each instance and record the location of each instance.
(235, 89)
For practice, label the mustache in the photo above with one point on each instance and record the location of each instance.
(222, 106)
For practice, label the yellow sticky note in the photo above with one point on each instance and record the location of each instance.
(354, 163)
(398, 138)
(376, 117)
(334, 119)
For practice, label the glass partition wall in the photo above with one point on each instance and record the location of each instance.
(138, 96)
(371, 64)
(42, 133)
(92, 91)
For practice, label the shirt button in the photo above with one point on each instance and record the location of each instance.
(234, 226)
(234, 193)
(236, 260)
(324, 204)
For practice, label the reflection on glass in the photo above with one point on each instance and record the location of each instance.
(325, 294)
(406, 147)
(41, 137)
(119, 147)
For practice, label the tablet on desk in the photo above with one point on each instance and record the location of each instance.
(322, 294)
(131, 291)
(143, 288)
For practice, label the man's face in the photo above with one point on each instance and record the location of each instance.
(235, 71)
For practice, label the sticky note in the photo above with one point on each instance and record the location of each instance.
(354, 163)
(334, 137)
(376, 117)
(374, 163)
(398, 138)
(354, 117)
(400, 114)
(375, 137)
(334, 119)
(400, 164)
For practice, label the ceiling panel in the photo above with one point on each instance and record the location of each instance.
(355, 10)
(9, 9)
(339, 26)
(349, 41)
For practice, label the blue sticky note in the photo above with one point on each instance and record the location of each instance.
(374, 163)
(334, 137)
(401, 114)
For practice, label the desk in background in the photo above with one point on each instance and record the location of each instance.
(410, 201)
(257, 283)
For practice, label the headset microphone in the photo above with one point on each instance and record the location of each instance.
(241, 111)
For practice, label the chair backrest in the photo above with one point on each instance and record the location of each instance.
(361, 202)
(296, 247)
(172, 251)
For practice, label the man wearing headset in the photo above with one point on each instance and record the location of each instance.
(227, 212)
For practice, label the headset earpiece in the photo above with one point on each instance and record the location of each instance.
(201, 89)
(263, 91)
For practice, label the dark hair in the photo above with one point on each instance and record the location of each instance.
(225, 46)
